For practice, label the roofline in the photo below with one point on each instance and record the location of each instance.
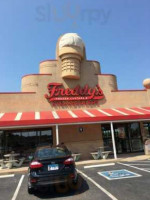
(78, 123)
(36, 75)
(93, 61)
(17, 92)
(57, 60)
(48, 60)
(129, 90)
(105, 75)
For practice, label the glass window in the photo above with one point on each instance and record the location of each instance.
(137, 145)
(147, 129)
(120, 131)
(51, 153)
(46, 137)
(14, 141)
(2, 144)
(24, 141)
(107, 139)
(134, 129)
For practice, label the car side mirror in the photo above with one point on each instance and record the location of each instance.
(30, 157)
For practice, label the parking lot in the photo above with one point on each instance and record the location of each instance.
(93, 184)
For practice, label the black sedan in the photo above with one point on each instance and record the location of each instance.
(51, 165)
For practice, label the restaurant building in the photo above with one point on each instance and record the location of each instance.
(71, 101)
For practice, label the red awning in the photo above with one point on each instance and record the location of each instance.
(73, 116)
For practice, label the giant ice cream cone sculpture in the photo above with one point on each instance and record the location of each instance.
(71, 53)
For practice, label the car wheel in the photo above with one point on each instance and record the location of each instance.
(76, 184)
(30, 190)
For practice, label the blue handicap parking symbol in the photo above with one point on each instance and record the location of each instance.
(118, 174)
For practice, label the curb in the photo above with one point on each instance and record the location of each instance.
(24, 170)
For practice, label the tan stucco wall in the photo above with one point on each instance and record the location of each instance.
(127, 99)
(80, 142)
(17, 102)
(107, 82)
(48, 67)
(89, 75)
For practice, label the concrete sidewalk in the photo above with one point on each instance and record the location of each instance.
(127, 159)
(79, 163)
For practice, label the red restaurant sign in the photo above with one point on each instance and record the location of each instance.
(68, 96)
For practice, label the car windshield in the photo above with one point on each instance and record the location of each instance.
(51, 153)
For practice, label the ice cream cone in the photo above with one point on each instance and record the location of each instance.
(71, 54)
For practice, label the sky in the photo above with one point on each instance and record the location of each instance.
(116, 33)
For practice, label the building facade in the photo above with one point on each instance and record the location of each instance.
(71, 101)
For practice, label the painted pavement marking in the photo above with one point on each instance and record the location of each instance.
(98, 186)
(18, 188)
(118, 174)
(133, 167)
(141, 161)
(7, 176)
(146, 168)
(101, 165)
(139, 164)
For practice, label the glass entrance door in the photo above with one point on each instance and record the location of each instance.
(121, 138)
(127, 137)
(135, 137)
(2, 145)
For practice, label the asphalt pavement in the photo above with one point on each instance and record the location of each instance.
(93, 184)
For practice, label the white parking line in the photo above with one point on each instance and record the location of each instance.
(139, 164)
(134, 167)
(101, 165)
(97, 185)
(141, 161)
(7, 176)
(18, 188)
(146, 168)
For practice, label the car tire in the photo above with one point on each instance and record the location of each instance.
(75, 184)
(30, 190)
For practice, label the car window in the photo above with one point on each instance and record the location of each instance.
(51, 153)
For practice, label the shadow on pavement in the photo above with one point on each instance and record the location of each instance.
(63, 191)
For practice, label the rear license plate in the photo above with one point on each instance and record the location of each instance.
(53, 167)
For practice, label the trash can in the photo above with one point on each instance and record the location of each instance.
(147, 147)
